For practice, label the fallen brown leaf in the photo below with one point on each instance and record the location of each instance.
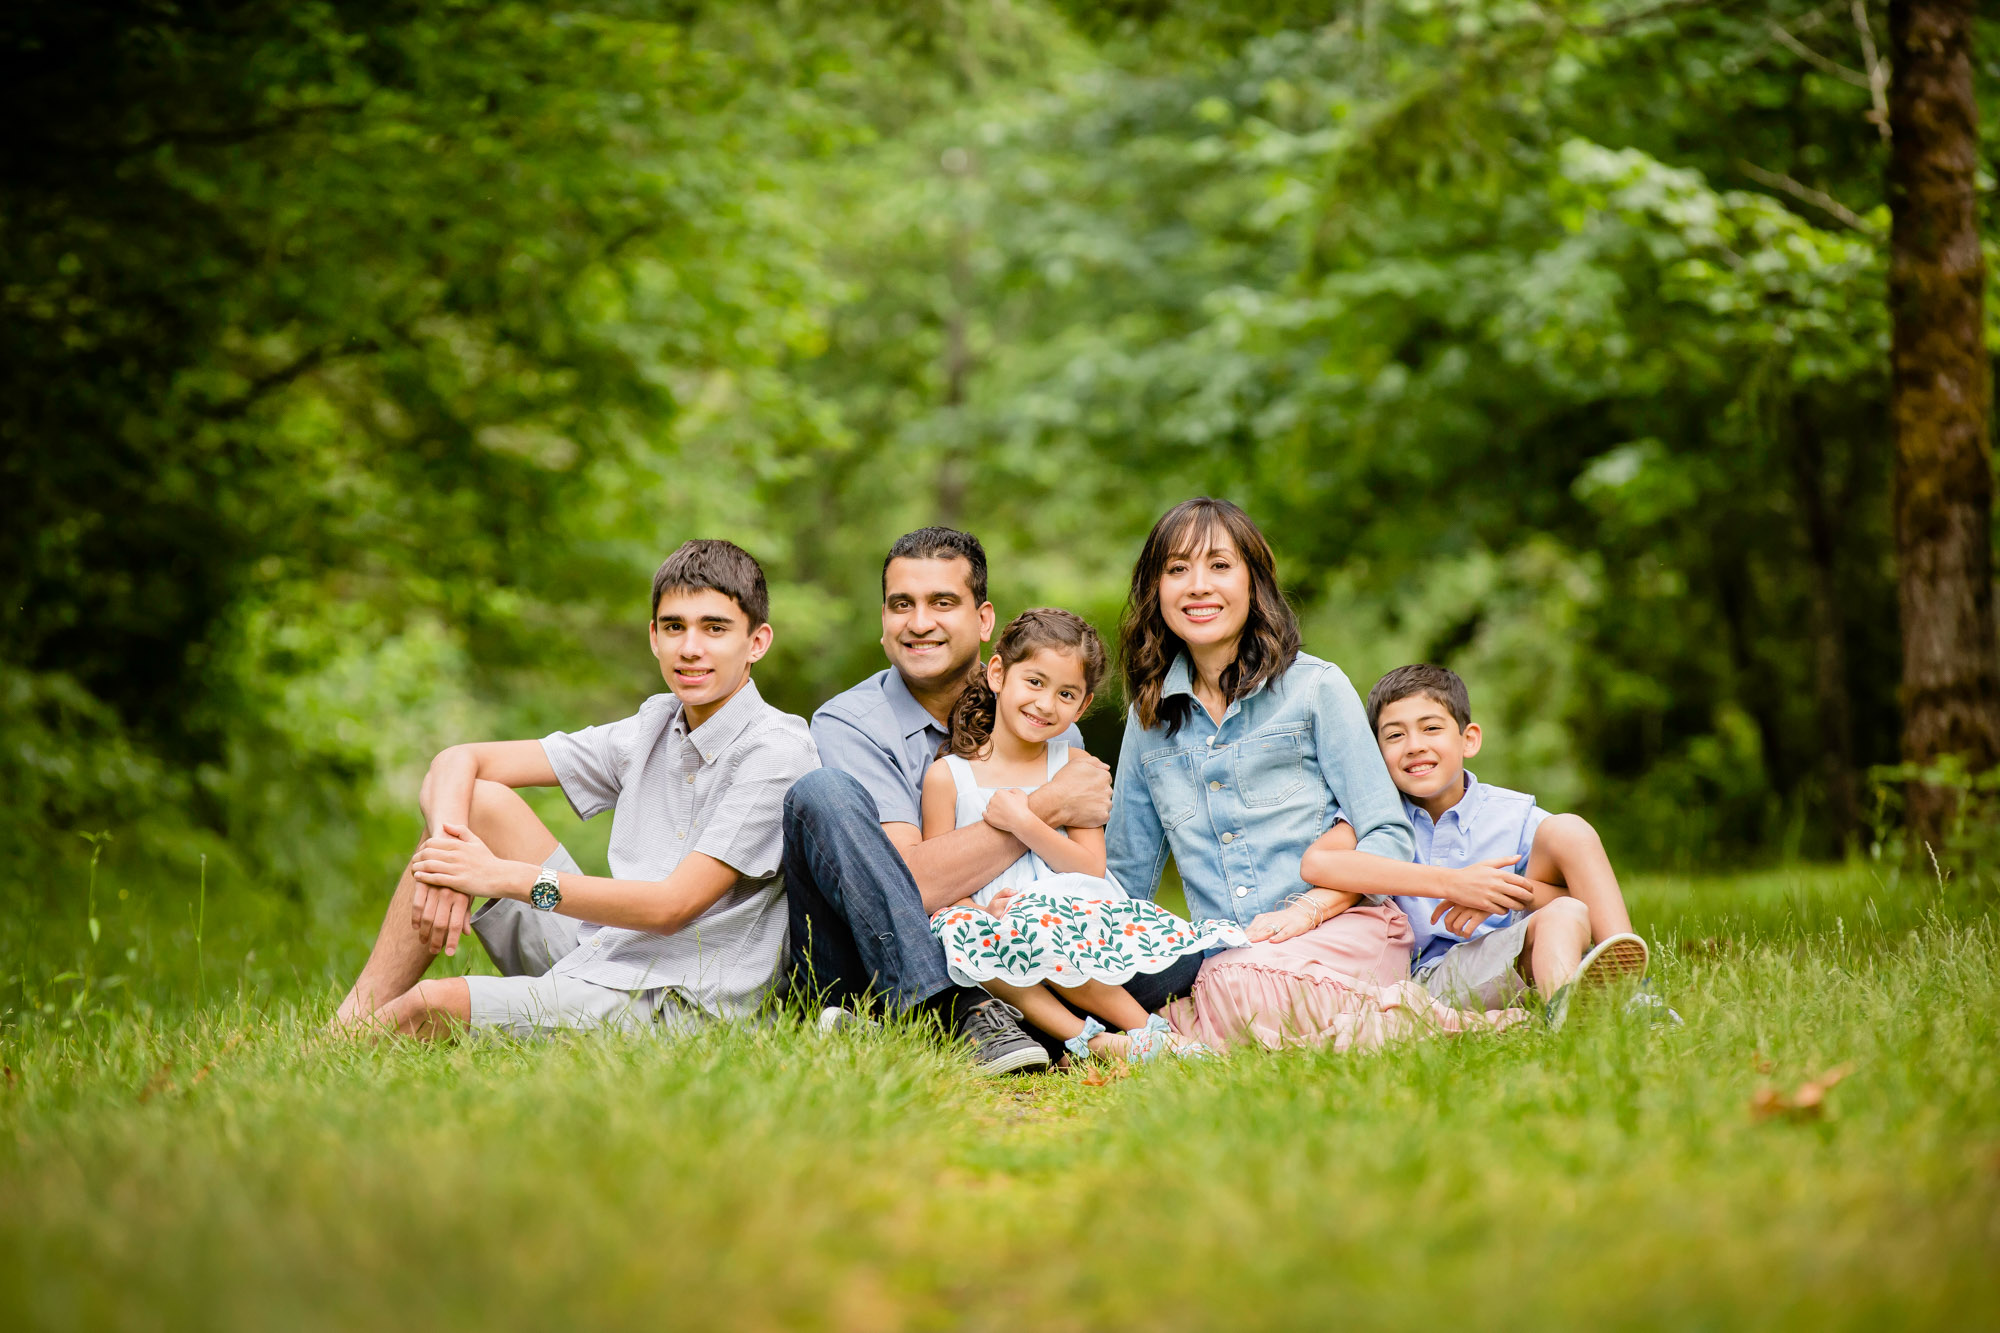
(1806, 1102)
(160, 1082)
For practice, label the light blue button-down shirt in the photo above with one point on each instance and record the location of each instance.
(1487, 822)
(1238, 803)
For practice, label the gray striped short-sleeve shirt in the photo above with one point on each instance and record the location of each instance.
(719, 790)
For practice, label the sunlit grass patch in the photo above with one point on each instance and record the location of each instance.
(231, 1167)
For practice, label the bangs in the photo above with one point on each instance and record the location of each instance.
(1193, 534)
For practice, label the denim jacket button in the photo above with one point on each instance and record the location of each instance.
(1215, 786)
(1229, 837)
(1242, 892)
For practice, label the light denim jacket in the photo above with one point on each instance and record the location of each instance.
(1238, 804)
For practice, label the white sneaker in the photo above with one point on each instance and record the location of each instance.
(834, 1019)
(1622, 955)
(1651, 1008)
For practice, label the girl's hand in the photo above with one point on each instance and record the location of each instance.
(1001, 901)
(1008, 810)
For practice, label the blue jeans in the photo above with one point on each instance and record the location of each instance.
(859, 928)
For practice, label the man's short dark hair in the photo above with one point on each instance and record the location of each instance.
(1433, 682)
(940, 544)
(723, 566)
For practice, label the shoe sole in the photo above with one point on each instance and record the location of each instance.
(1033, 1057)
(1616, 959)
(1620, 956)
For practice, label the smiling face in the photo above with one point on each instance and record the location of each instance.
(1424, 748)
(1039, 697)
(1205, 591)
(931, 624)
(705, 644)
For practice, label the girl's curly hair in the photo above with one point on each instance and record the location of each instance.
(973, 717)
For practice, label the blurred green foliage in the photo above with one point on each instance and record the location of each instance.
(358, 362)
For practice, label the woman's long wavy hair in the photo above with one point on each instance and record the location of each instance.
(973, 718)
(1146, 647)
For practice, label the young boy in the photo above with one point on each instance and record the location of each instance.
(1501, 887)
(690, 927)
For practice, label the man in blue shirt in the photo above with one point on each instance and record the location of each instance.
(861, 879)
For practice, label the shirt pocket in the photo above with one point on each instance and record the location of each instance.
(1270, 769)
(1170, 782)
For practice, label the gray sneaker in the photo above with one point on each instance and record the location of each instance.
(993, 1029)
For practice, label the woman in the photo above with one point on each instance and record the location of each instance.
(1239, 749)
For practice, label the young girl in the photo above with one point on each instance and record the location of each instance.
(1050, 919)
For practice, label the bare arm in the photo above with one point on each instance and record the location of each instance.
(960, 862)
(446, 795)
(456, 859)
(1490, 886)
(955, 864)
(1010, 810)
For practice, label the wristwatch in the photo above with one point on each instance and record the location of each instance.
(546, 896)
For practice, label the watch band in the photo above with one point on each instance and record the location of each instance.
(546, 896)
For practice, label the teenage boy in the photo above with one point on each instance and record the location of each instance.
(690, 927)
(861, 878)
(1502, 891)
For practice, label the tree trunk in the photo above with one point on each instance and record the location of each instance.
(1829, 637)
(1938, 403)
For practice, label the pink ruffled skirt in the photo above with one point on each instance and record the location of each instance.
(1346, 984)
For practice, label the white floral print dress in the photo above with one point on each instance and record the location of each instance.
(1061, 928)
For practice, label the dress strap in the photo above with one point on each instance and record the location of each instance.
(1058, 756)
(961, 774)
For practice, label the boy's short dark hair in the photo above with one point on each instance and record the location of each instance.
(722, 566)
(940, 544)
(1433, 682)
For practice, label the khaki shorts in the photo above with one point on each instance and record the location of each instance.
(533, 1000)
(1484, 971)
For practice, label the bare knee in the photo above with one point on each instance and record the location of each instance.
(494, 803)
(1566, 833)
(507, 824)
(1568, 913)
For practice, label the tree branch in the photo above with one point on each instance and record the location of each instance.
(1878, 73)
(1807, 194)
(271, 381)
(1824, 64)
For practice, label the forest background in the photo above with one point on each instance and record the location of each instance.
(360, 361)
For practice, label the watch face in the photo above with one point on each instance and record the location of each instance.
(544, 896)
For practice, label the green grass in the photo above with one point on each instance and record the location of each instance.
(164, 1163)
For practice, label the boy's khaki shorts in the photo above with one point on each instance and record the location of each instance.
(1484, 971)
(533, 1000)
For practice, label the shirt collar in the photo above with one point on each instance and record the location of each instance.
(724, 725)
(1180, 680)
(1465, 807)
(910, 715)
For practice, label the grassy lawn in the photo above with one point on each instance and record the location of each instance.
(164, 1164)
